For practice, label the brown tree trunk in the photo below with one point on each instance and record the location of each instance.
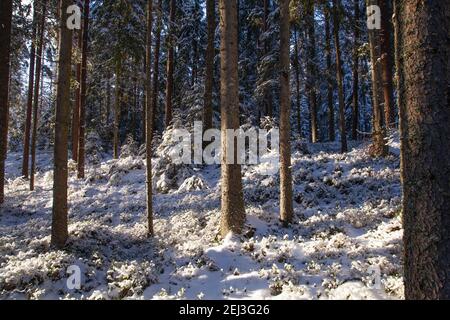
(425, 131)
(76, 108)
(40, 45)
(26, 140)
(170, 64)
(386, 63)
(297, 81)
(149, 117)
(286, 205)
(379, 148)
(59, 212)
(5, 51)
(117, 108)
(331, 129)
(339, 75)
(355, 106)
(155, 83)
(209, 62)
(82, 108)
(311, 69)
(233, 211)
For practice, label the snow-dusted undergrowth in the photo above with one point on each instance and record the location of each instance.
(347, 225)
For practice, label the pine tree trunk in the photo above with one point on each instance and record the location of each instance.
(209, 62)
(330, 104)
(170, 64)
(286, 204)
(339, 75)
(355, 106)
(386, 63)
(5, 51)
(82, 108)
(297, 82)
(76, 108)
(149, 117)
(40, 45)
(233, 211)
(117, 108)
(311, 71)
(379, 148)
(27, 134)
(59, 212)
(425, 116)
(155, 83)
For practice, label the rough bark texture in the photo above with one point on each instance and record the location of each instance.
(76, 108)
(40, 45)
(149, 118)
(311, 72)
(170, 64)
(286, 204)
(209, 61)
(386, 63)
(59, 212)
(83, 89)
(339, 75)
(355, 102)
(27, 133)
(330, 104)
(5, 51)
(233, 211)
(425, 131)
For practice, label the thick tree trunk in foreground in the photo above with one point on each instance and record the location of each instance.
(83, 89)
(286, 204)
(170, 65)
(355, 103)
(233, 211)
(149, 118)
(425, 131)
(27, 134)
(5, 51)
(40, 45)
(59, 212)
(209, 61)
(339, 75)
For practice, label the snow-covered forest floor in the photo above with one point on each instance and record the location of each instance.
(347, 225)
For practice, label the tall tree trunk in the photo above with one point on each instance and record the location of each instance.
(425, 131)
(386, 63)
(59, 212)
(5, 51)
(40, 45)
(170, 64)
(148, 114)
(209, 68)
(82, 108)
(76, 108)
(379, 148)
(233, 211)
(155, 83)
(286, 205)
(330, 104)
(26, 140)
(297, 81)
(355, 107)
(339, 75)
(311, 69)
(117, 108)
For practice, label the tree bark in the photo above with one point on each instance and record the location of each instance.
(233, 211)
(27, 134)
(297, 82)
(40, 45)
(330, 104)
(76, 108)
(355, 106)
(59, 212)
(5, 51)
(339, 75)
(286, 204)
(149, 118)
(83, 89)
(425, 116)
(311, 69)
(209, 62)
(170, 64)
